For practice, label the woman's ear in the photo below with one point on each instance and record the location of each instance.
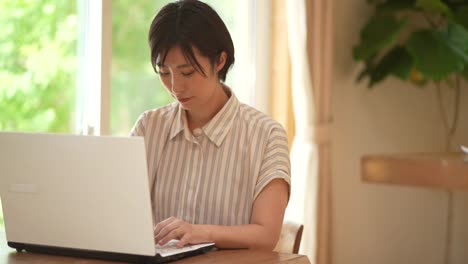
(221, 61)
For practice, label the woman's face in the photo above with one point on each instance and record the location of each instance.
(194, 91)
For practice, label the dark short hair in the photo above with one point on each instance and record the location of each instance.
(190, 24)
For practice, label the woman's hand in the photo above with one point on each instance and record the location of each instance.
(174, 228)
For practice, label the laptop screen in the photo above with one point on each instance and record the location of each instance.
(84, 192)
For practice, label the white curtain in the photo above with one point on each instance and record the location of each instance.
(310, 38)
(303, 151)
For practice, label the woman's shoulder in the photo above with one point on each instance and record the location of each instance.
(164, 112)
(254, 118)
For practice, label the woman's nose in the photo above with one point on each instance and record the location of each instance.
(177, 85)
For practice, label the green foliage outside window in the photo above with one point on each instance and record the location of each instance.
(135, 86)
(37, 65)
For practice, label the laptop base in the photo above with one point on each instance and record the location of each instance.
(102, 255)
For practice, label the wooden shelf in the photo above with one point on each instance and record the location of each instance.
(435, 170)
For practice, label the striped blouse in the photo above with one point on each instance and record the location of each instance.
(213, 175)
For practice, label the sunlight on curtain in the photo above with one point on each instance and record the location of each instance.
(280, 105)
(303, 153)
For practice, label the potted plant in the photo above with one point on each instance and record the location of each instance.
(419, 41)
(422, 42)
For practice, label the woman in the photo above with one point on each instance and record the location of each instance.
(219, 170)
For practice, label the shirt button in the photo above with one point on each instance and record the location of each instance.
(197, 132)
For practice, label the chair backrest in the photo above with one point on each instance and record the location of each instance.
(290, 238)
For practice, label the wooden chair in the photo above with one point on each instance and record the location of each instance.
(290, 238)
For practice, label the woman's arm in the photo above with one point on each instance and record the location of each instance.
(262, 232)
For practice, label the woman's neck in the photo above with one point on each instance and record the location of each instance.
(200, 118)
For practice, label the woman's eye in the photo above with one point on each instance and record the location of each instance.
(163, 73)
(187, 73)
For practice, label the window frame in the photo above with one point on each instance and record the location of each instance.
(94, 67)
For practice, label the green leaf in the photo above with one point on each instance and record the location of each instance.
(379, 33)
(397, 62)
(434, 6)
(456, 37)
(461, 16)
(395, 5)
(433, 55)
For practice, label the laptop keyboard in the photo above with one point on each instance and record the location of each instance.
(170, 248)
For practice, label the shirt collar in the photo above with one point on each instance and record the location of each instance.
(178, 122)
(216, 129)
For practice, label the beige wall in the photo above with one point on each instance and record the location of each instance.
(381, 223)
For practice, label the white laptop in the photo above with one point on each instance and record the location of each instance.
(85, 196)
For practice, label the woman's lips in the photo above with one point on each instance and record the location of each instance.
(184, 100)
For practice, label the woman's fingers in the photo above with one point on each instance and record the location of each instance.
(174, 228)
(174, 234)
(164, 227)
(183, 241)
(171, 228)
(163, 223)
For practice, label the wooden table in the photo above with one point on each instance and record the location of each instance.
(10, 256)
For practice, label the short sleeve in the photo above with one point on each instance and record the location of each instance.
(140, 126)
(275, 160)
